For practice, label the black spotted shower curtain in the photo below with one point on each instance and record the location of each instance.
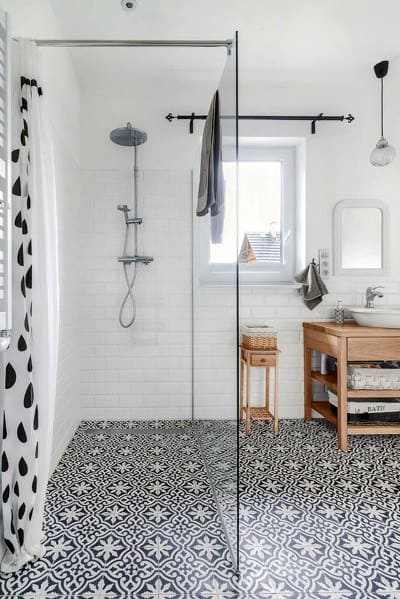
(30, 363)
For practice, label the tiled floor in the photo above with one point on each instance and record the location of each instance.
(132, 515)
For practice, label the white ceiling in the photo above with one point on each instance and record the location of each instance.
(275, 36)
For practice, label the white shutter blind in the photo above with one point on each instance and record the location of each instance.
(5, 175)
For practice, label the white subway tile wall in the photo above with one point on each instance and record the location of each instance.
(283, 309)
(143, 372)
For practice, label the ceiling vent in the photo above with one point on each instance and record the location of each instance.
(129, 4)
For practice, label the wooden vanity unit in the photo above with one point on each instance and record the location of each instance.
(347, 342)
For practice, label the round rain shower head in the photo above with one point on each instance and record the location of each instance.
(128, 136)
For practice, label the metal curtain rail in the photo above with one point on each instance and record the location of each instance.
(61, 43)
(262, 117)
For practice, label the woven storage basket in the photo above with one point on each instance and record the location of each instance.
(370, 411)
(260, 338)
(373, 378)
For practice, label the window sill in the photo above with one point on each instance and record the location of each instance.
(214, 282)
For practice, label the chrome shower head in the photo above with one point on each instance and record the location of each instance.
(128, 136)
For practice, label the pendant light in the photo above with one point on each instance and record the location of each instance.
(383, 153)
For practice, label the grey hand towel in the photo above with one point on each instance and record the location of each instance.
(211, 197)
(313, 288)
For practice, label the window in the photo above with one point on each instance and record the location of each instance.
(265, 221)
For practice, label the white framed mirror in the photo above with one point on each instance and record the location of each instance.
(361, 238)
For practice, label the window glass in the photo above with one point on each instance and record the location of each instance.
(260, 208)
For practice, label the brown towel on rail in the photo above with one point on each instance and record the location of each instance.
(211, 197)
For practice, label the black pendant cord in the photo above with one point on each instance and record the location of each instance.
(313, 119)
(382, 107)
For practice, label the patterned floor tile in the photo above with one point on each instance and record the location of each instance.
(130, 514)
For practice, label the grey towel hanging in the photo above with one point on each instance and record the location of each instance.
(312, 286)
(211, 197)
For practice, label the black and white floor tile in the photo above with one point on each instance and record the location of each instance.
(130, 513)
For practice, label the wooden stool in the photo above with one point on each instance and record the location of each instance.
(259, 359)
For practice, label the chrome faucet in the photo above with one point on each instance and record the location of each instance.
(371, 294)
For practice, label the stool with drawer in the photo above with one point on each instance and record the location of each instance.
(250, 358)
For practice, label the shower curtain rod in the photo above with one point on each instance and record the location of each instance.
(262, 117)
(133, 43)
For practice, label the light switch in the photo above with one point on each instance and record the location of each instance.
(324, 262)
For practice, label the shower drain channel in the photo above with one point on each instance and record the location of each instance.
(136, 431)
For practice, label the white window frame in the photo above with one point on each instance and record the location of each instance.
(262, 273)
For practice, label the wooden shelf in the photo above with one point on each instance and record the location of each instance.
(348, 342)
(374, 429)
(330, 381)
(324, 408)
(259, 413)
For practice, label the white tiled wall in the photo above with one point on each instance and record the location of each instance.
(214, 351)
(280, 307)
(283, 309)
(143, 372)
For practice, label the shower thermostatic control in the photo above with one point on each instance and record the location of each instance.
(138, 259)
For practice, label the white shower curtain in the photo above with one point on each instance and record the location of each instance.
(30, 363)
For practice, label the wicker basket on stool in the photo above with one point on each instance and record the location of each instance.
(259, 338)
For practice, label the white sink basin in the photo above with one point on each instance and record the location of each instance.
(377, 317)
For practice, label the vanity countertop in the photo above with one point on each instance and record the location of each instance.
(350, 329)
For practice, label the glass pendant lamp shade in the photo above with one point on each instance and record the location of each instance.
(383, 153)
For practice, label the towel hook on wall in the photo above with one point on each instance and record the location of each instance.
(316, 264)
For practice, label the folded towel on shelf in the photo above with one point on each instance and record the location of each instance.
(312, 286)
(211, 197)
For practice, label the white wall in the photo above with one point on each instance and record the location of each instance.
(145, 372)
(61, 89)
(337, 167)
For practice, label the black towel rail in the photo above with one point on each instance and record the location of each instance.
(263, 117)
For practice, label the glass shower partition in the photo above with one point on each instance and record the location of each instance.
(215, 326)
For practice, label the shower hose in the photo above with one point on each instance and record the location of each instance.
(130, 278)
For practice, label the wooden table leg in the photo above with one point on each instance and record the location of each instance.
(267, 388)
(248, 395)
(276, 395)
(241, 390)
(307, 383)
(342, 394)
